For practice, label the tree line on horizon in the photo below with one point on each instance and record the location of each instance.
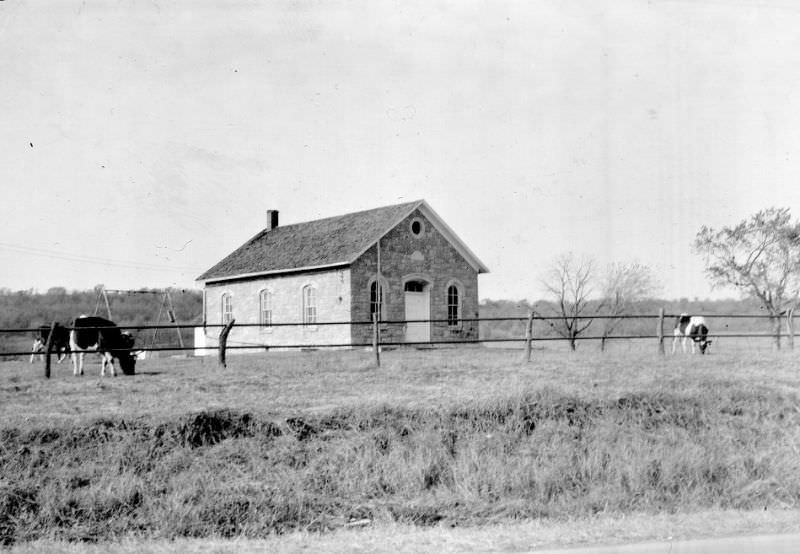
(28, 309)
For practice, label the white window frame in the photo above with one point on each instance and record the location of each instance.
(459, 305)
(265, 296)
(382, 300)
(310, 318)
(226, 308)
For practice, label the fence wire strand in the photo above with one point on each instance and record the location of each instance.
(666, 336)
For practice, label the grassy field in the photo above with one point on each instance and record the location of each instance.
(289, 442)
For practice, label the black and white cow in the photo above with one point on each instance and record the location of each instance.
(95, 334)
(60, 342)
(690, 328)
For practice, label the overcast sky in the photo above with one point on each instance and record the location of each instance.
(142, 141)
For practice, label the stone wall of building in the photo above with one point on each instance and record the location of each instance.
(428, 257)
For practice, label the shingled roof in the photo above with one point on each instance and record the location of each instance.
(321, 243)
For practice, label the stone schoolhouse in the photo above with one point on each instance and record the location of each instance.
(327, 271)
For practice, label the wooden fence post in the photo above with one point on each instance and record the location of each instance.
(48, 349)
(223, 341)
(376, 346)
(660, 331)
(790, 328)
(528, 337)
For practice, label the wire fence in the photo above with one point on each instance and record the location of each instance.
(518, 318)
(389, 333)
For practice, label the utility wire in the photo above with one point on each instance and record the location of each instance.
(89, 259)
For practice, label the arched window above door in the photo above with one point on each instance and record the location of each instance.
(414, 286)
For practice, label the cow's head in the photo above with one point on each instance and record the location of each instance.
(704, 345)
(126, 356)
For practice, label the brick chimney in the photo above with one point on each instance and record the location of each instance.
(272, 219)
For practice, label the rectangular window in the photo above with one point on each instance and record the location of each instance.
(227, 308)
(375, 300)
(266, 308)
(309, 305)
(452, 306)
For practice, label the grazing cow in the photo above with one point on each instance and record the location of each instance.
(692, 328)
(95, 334)
(60, 342)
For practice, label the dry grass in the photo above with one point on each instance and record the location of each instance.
(311, 441)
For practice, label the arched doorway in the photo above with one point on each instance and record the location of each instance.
(418, 306)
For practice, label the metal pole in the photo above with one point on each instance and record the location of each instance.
(660, 331)
(158, 322)
(108, 306)
(97, 301)
(379, 311)
(205, 320)
(376, 346)
(172, 318)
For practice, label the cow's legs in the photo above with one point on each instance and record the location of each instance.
(108, 359)
(677, 337)
(683, 345)
(77, 363)
(38, 346)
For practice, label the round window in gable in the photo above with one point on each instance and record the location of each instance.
(417, 227)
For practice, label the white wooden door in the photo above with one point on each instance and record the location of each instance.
(418, 306)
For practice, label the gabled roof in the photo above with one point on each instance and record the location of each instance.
(330, 242)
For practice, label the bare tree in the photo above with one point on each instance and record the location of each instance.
(569, 283)
(760, 256)
(622, 286)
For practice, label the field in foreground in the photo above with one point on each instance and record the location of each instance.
(317, 441)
